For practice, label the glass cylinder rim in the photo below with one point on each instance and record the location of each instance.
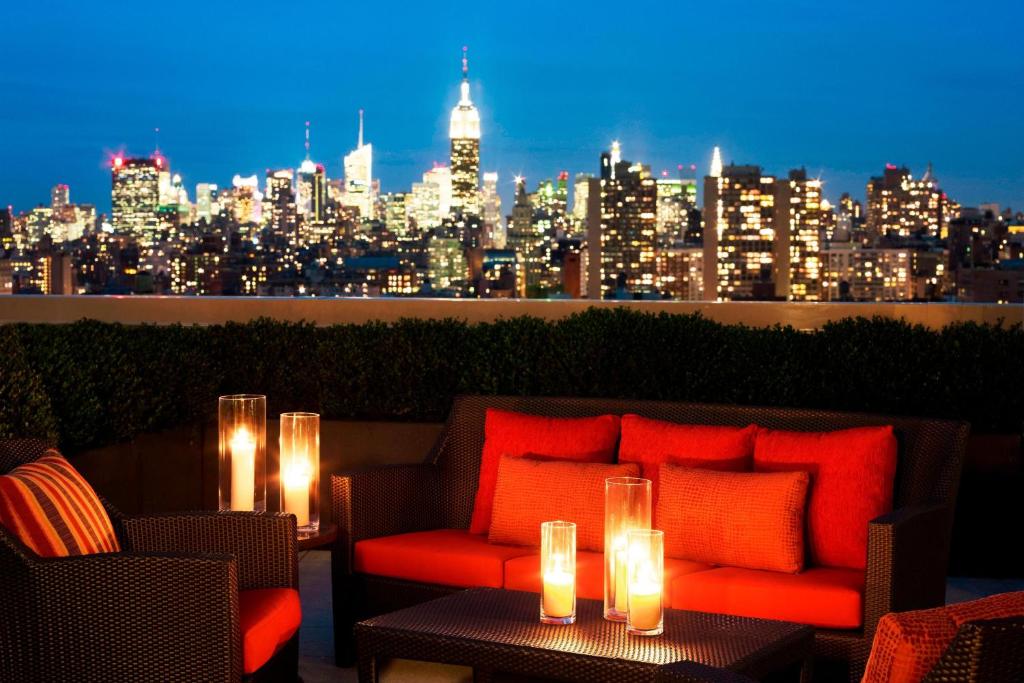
(644, 533)
(559, 524)
(627, 481)
(299, 413)
(241, 397)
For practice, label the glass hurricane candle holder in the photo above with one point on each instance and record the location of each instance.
(644, 614)
(300, 469)
(627, 506)
(242, 448)
(558, 572)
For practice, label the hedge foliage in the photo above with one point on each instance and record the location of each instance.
(92, 383)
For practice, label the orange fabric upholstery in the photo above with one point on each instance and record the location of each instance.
(585, 439)
(523, 573)
(653, 443)
(825, 597)
(737, 519)
(852, 473)
(447, 557)
(53, 510)
(533, 491)
(908, 644)
(269, 617)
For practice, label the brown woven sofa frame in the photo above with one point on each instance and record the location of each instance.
(907, 549)
(989, 651)
(165, 608)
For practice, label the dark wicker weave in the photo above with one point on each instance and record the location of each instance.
(989, 651)
(908, 549)
(499, 631)
(165, 608)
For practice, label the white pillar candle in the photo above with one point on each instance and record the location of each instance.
(296, 493)
(559, 592)
(645, 604)
(243, 470)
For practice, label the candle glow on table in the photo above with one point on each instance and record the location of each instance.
(646, 558)
(645, 604)
(295, 482)
(300, 470)
(559, 593)
(627, 506)
(558, 573)
(243, 470)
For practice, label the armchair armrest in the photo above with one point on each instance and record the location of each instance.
(908, 552)
(264, 543)
(120, 616)
(384, 501)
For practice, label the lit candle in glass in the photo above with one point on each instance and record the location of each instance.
(558, 572)
(627, 505)
(646, 582)
(300, 469)
(242, 449)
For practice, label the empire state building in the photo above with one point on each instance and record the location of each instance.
(464, 132)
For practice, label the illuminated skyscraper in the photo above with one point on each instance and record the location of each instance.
(580, 193)
(432, 198)
(629, 206)
(245, 199)
(464, 132)
(739, 214)
(359, 176)
(60, 197)
(798, 221)
(899, 206)
(280, 198)
(135, 196)
(206, 202)
(311, 188)
(526, 237)
(494, 231)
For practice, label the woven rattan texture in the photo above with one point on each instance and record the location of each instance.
(983, 652)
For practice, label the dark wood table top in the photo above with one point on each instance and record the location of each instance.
(500, 630)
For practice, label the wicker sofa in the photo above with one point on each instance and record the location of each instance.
(164, 608)
(907, 548)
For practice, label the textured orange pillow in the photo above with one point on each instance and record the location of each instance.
(908, 645)
(532, 491)
(852, 473)
(737, 519)
(53, 510)
(711, 447)
(584, 439)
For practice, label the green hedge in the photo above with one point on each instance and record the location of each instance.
(92, 383)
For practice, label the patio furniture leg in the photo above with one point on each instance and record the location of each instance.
(367, 669)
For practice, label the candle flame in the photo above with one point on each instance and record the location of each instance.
(242, 440)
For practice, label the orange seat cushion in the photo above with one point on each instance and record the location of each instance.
(269, 617)
(653, 443)
(825, 597)
(53, 510)
(852, 473)
(737, 519)
(533, 491)
(908, 645)
(523, 573)
(584, 439)
(447, 557)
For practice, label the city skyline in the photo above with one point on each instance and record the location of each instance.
(522, 137)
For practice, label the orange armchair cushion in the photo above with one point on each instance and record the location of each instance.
(852, 473)
(908, 645)
(269, 617)
(737, 519)
(653, 443)
(533, 491)
(53, 510)
(585, 439)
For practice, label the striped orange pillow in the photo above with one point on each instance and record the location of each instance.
(53, 510)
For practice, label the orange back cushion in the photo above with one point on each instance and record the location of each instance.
(737, 519)
(531, 491)
(53, 510)
(585, 439)
(654, 442)
(852, 473)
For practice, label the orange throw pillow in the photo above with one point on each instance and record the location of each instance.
(737, 519)
(710, 447)
(852, 473)
(584, 439)
(53, 510)
(531, 491)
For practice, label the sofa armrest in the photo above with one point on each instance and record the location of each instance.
(264, 543)
(120, 616)
(382, 502)
(908, 553)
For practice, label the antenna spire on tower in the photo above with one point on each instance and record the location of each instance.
(360, 142)
(465, 62)
(307, 140)
(156, 141)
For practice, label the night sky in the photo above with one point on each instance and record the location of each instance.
(838, 87)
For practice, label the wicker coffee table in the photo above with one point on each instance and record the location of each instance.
(494, 630)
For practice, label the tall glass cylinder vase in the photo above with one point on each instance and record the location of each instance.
(558, 572)
(627, 505)
(242, 461)
(300, 469)
(646, 582)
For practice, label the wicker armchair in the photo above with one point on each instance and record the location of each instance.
(907, 549)
(990, 651)
(164, 608)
